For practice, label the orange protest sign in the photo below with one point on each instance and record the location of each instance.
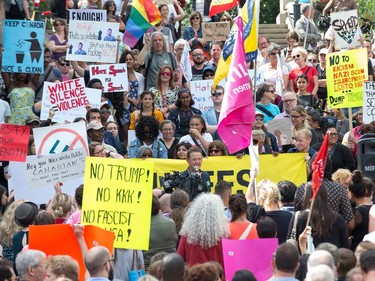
(13, 142)
(59, 239)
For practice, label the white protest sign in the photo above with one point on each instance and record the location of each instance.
(60, 138)
(282, 129)
(259, 78)
(93, 97)
(346, 29)
(201, 93)
(88, 15)
(368, 102)
(114, 77)
(92, 41)
(34, 179)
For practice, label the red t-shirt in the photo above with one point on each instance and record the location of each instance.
(310, 73)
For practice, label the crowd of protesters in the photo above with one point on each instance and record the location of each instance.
(190, 219)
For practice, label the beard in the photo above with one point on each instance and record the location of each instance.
(111, 273)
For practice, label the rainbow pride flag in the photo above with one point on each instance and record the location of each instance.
(144, 14)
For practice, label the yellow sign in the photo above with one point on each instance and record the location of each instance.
(118, 197)
(290, 166)
(346, 72)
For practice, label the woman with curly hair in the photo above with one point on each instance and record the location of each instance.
(240, 227)
(8, 228)
(179, 203)
(203, 272)
(147, 132)
(360, 192)
(327, 225)
(204, 226)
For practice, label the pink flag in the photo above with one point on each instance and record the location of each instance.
(237, 111)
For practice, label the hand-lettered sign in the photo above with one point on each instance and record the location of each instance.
(23, 46)
(118, 198)
(13, 142)
(368, 102)
(114, 77)
(215, 31)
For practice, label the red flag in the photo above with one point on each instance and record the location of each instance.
(237, 111)
(319, 165)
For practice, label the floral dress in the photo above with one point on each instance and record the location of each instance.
(21, 102)
(169, 97)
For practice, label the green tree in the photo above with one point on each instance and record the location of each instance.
(269, 9)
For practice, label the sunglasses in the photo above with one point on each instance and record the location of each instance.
(271, 91)
(104, 111)
(59, 24)
(296, 56)
(195, 18)
(259, 119)
(274, 54)
(165, 73)
(313, 60)
(209, 74)
(214, 150)
(333, 135)
(216, 94)
(64, 64)
(295, 116)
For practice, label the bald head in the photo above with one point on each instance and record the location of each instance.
(172, 267)
(320, 257)
(96, 260)
(165, 203)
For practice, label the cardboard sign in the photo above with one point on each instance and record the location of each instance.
(114, 77)
(215, 31)
(93, 97)
(118, 198)
(59, 239)
(347, 29)
(368, 102)
(60, 138)
(34, 179)
(239, 254)
(23, 46)
(13, 142)
(282, 129)
(93, 41)
(88, 15)
(346, 72)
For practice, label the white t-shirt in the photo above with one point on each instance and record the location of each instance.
(187, 138)
(4, 110)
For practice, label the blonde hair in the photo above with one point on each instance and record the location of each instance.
(8, 226)
(61, 205)
(270, 191)
(300, 50)
(341, 175)
(63, 266)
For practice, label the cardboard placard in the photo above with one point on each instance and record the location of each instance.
(14, 142)
(215, 31)
(114, 77)
(346, 28)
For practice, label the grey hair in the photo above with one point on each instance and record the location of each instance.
(259, 132)
(305, 8)
(153, 34)
(272, 47)
(179, 42)
(205, 223)
(27, 258)
(320, 257)
(147, 277)
(320, 272)
(167, 121)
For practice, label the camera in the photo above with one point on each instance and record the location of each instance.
(171, 181)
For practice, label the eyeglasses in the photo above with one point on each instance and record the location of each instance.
(313, 60)
(65, 64)
(333, 135)
(295, 116)
(197, 55)
(292, 100)
(99, 152)
(214, 150)
(296, 56)
(165, 74)
(167, 129)
(195, 18)
(110, 260)
(216, 94)
(259, 119)
(274, 54)
(180, 49)
(102, 111)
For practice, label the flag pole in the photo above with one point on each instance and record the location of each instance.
(308, 24)
(310, 211)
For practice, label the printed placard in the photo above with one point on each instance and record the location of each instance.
(346, 72)
(282, 129)
(119, 199)
(23, 46)
(215, 31)
(114, 77)
(88, 15)
(93, 97)
(93, 41)
(13, 142)
(60, 138)
(347, 29)
(368, 102)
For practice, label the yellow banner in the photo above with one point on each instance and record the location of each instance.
(346, 72)
(118, 197)
(290, 166)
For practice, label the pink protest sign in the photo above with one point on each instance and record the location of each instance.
(254, 255)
